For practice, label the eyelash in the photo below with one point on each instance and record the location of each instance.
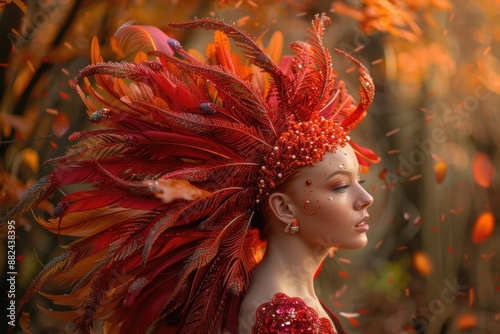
(344, 187)
(341, 189)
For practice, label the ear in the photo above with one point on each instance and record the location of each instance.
(280, 205)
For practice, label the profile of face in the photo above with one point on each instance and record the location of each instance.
(328, 201)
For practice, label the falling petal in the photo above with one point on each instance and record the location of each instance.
(422, 263)
(64, 95)
(483, 227)
(440, 171)
(482, 169)
(383, 174)
(466, 321)
(51, 111)
(31, 158)
(353, 322)
(415, 177)
(60, 124)
(417, 221)
(343, 274)
(25, 322)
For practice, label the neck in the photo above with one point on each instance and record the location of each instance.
(293, 262)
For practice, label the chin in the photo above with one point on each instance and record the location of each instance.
(357, 245)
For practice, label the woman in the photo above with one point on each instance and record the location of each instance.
(294, 253)
(199, 161)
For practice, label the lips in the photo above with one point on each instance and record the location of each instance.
(362, 226)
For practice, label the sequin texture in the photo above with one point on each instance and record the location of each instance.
(289, 315)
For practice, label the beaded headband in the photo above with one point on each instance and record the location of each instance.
(304, 144)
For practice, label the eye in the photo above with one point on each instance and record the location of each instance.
(361, 182)
(341, 189)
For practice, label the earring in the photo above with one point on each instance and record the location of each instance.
(292, 227)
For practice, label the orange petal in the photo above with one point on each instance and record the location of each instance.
(440, 171)
(60, 124)
(483, 227)
(31, 158)
(482, 169)
(466, 321)
(64, 95)
(353, 322)
(343, 274)
(422, 263)
(25, 322)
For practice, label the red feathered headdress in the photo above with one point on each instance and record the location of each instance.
(188, 146)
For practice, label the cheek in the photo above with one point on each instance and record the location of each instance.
(334, 207)
(315, 203)
(311, 207)
(310, 200)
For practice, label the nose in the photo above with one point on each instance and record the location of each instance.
(363, 200)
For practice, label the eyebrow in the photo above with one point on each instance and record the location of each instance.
(343, 172)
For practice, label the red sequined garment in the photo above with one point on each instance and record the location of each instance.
(292, 315)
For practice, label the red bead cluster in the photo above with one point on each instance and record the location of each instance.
(304, 144)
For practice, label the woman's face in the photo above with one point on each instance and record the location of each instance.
(329, 202)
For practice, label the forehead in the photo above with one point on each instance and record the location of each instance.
(343, 158)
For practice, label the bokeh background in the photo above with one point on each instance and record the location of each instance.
(432, 264)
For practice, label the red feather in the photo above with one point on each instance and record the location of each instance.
(141, 260)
